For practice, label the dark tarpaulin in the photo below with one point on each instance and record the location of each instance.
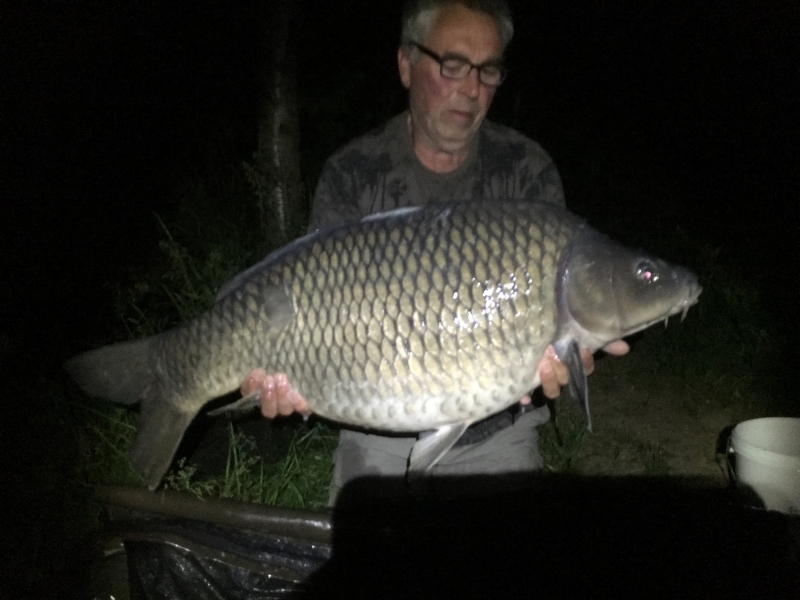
(166, 570)
(180, 547)
(551, 536)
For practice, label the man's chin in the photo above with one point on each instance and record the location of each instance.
(457, 133)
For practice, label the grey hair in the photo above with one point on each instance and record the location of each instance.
(419, 17)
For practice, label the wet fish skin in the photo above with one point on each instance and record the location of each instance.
(420, 319)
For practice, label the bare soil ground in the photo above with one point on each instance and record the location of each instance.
(638, 428)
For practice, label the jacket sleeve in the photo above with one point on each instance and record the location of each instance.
(334, 199)
(538, 176)
(546, 185)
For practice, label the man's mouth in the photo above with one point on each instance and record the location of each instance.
(462, 115)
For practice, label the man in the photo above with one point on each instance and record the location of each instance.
(451, 61)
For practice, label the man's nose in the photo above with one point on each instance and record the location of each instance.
(471, 84)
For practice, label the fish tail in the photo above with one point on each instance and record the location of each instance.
(118, 373)
(159, 432)
(123, 373)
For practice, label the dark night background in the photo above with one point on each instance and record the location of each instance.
(103, 103)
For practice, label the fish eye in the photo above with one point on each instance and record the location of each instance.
(646, 272)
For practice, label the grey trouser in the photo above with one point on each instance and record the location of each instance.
(510, 450)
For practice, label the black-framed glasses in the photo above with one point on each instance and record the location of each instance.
(455, 66)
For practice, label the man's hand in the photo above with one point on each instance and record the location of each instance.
(278, 397)
(553, 373)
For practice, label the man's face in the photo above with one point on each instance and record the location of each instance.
(447, 113)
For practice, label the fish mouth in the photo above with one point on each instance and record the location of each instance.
(682, 306)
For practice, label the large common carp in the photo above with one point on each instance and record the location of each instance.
(419, 319)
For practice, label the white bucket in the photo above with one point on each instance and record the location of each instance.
(768, 460)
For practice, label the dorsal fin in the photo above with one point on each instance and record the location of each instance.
(309, 238)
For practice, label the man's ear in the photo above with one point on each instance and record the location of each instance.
(404, 66)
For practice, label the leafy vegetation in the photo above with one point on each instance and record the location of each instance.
(298, 479)
(106, 433)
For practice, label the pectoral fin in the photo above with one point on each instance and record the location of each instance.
(569, 353)
(430, 448)
(243, 404)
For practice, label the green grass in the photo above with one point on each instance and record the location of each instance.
(300, 478)
(103, 440)
(561, 439)
(297, 475)
(179, 288)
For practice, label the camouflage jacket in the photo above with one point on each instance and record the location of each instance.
(379, 171)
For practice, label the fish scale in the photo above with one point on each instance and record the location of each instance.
(417, 319)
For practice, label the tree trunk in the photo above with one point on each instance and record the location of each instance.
(275, 170)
